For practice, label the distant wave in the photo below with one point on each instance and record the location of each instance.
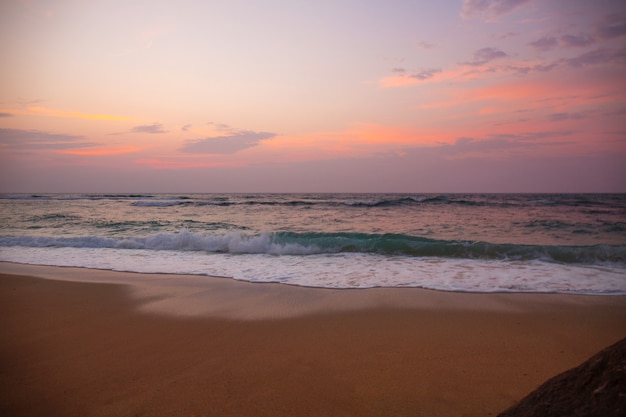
(591, 201)
(291, 243)
(157, 203)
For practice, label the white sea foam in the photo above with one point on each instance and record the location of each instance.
(346, 270)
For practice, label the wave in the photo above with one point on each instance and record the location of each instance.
(589, 201)
(157, 203)
(292, 243)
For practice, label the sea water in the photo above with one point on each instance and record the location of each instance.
(568, 243)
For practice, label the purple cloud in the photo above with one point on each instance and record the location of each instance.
(153, 128)
(226, 144)
(499, 142)
(545, 67)
(6, 115)
(557, 117)
(425, 74)
(611, 26)
(577, 40)
(485, 55)
(568, 41)
(426, 45)
(489, 9)
(598, 56)
(544, 44)
(35, 139)
(502, 36)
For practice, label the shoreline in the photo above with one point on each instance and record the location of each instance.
(101, 343)
(211, 296)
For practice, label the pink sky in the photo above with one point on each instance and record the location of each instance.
(299, 96)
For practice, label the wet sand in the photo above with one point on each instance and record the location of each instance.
(81, 342)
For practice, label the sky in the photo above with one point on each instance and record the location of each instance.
(313, 96)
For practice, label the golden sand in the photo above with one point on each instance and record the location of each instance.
(218, 347)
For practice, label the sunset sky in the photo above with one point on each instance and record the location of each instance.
(313, 96)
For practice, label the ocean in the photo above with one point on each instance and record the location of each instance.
(555, 243)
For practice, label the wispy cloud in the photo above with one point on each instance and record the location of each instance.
(577, 41)
(426, 45)
(46, 112)
(228, 144)
(35, 139)
(502, 142)
(120, 150)
(223, 127)
(598, 56)
(5, 114)
(25, 140)
(154, 128)
(483, 66)
(402, 77)
(489, 9)
(485, 55)
(548, 43)
(502, 36)
(425, 74)
(558, 117)
(177, 164)
(544, 44)
(611, 26)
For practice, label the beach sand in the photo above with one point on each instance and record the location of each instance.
(97, 343)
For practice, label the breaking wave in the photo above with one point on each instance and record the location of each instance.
(292, 243)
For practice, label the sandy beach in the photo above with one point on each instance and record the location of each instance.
(77, 342)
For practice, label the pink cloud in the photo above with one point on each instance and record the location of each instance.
(173, 164)
(102, 152)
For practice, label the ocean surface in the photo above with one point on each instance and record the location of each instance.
(565, 243)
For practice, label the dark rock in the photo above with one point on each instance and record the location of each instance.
(595, 388)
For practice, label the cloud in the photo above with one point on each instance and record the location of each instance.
(35, 139)
(102, 152)
(579, 40)
(223, 127)
(544, 44)
(545, 67)
(419, 75)
(598, 56)
(425, 74)
(501, 142)
(489, 9)
(594, 57)
(557, 117)
(226, 144)
(426, 45)
(185, 128)
(43, 111)
(177, 164)
(568, 41)
(611, 26)
(2, 114)
(502, 36)
(402, 77)
(485, 55)
(477, 67)
(153, 128)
